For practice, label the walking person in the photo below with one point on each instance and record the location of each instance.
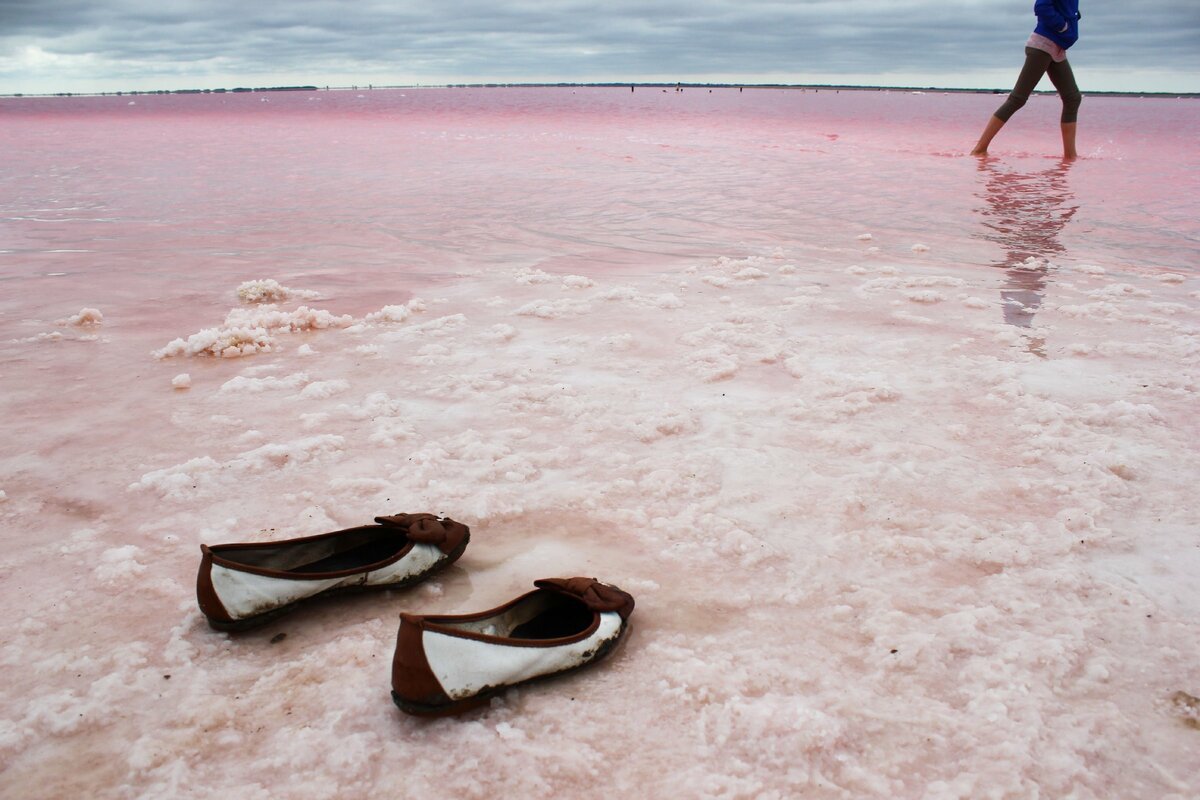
(1045, 53)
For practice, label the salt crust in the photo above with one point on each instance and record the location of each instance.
(864, 551)
(270, 291)
(86, 316)
(249, 331)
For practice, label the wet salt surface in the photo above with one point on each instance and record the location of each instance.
(900, 520)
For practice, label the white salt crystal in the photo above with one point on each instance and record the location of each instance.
(182, 381)
(920, 248)
(86, 316)
(318, 390)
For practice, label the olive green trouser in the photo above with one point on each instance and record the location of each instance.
(1037, 64)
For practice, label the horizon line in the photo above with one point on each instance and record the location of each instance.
(585, 84)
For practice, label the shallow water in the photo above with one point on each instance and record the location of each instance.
(895, 447)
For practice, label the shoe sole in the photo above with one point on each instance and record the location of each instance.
(483, 697)
(258, 620)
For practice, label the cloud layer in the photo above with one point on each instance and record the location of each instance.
(61, 45)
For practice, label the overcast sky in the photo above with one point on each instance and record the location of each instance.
(111, 45)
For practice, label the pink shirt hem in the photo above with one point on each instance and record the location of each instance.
(1039, 42)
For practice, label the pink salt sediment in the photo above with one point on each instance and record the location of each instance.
(880, 547)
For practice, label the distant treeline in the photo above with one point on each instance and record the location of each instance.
(665, 85)
(237, 90)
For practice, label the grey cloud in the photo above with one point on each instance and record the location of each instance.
(482, 40)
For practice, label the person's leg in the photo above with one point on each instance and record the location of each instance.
(1063, 79)
(1036, 62)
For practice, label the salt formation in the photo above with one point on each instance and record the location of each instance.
(249, 331)
(270, 291)
(86, 316)
(835, 514)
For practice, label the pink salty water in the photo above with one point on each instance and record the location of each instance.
(895, 447)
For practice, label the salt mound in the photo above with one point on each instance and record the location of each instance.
(396, 313)
(247, 331)
(270, 291)
(86, 316)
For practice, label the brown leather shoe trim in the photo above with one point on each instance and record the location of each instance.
(210, 604)
(595, 595)
(444, 533)
(412, 678)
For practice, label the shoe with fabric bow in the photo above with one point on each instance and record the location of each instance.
(449, 664)
(242, 586)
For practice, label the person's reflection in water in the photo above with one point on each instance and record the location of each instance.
(1024, 214)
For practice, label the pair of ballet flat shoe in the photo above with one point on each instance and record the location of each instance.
(442, 664)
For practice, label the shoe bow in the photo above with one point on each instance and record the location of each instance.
(426, 528)
(595, 595)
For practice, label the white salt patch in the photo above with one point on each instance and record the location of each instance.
(577, 282)
(620, 293)
(1172, 277)
(182, 381)
(273, 319)
(396, 313)
(976, 302)
(86, 316)
(499, 333)
(319, 390)
(246, 331)
(928, 296)
(749, 274)
(3, 496)
(176, 482)
(53, 336)
(119, 563)
(223, 342)
(787, 269)
(527, 276)
(313, 420)
(305, 350)
(920, 248)
(1089, 269)
(719, 281)
(1118, 290)
(712, 363)
(666, 301)
(554, 309)
(865, 237)
(242, 384)
(270, 291)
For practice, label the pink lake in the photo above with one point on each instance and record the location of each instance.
(896, 448)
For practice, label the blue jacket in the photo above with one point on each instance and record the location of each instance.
(1058, 21)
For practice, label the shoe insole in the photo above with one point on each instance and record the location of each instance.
(557, 621)
(366, 553)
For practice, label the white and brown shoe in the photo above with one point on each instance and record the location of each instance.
(448, 664)
(241, 586)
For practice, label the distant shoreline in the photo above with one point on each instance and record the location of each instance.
(816, 87)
